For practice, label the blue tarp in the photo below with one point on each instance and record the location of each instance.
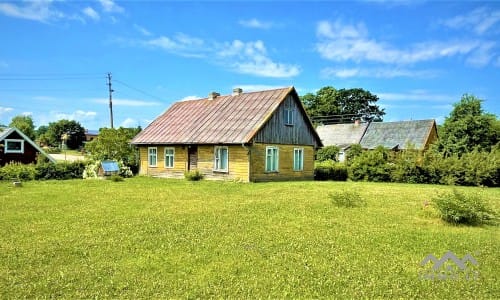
(110, 167)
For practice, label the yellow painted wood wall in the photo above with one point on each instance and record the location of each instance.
(244, 163)
(285, 166)
(237, 163)
(180, 162)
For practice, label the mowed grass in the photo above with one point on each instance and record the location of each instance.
(158, 238)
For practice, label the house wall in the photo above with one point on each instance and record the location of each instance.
(29, 156)
(180, 162)
(237, 163)
(433, 136)
(276, 131)
(285, 166)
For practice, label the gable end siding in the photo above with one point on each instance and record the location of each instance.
(28, 156)
(277, 132)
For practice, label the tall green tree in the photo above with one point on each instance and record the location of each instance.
(349, 103)
(468, 127)
(25, 124)
(69, 129)
(112, 143)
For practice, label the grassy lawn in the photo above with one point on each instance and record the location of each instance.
(158, 238)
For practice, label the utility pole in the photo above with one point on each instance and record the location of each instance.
(110, 99)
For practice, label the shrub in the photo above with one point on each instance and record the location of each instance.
(18, 171)
(330, 170)
(458, 208)
(371, 165)
(327, 153)
(60, 170)
(347, 199)
(193, 175)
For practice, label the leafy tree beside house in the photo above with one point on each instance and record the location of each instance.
(468, 127)
(114, 144)
(354, 103)
(25, 125)
(54, 133)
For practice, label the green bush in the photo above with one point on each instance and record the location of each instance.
(193, 175)
(60, 170)
(347, 199)
(328, 153)
(18, 171)
(371, 165)
(330, 170)
(458, 208)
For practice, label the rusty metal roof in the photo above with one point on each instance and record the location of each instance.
(229, 119)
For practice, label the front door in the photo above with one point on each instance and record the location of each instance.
(192, 157)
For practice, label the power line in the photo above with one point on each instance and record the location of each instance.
(138, 90)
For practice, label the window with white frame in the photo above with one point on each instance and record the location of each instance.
(272, 158)
(169, 157)
(220, 158)
(14, 146)
(152, 156)
(289, 115)
(298, 159)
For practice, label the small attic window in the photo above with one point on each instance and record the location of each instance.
(14, 146)
(289, 115)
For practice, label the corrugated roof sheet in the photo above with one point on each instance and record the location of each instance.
(225, 120)
(341, 135)
(397, 134)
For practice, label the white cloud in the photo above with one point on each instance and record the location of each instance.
(181, 44)
(142, 30)
(192, 97)
(241, 57)
(126, 102)
(4, 110)
(91, 13)
(41, 11)
(129, 122)
(111, 7)
(255, 23)
(27, 113)
(78, 115)
(417, 95)
(387, 72)
(480, 20)
(251, 58)
(340, 42)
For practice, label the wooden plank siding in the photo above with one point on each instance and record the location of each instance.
(180, 162)
(276, 131)
(285, 166)
(238, 167)
(237, 163)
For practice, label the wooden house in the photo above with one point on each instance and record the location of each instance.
(415, 134)
(342, 135)
(256, 136)
(15, 146)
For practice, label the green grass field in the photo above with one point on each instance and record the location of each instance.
(158, 238)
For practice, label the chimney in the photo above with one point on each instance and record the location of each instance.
(237, 91)
(213, 95)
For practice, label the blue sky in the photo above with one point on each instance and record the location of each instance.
(418, 57)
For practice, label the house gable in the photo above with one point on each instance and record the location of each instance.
(288, 124)
(26, 153)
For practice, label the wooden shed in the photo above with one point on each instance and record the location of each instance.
(15, 146)
(256, 136)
